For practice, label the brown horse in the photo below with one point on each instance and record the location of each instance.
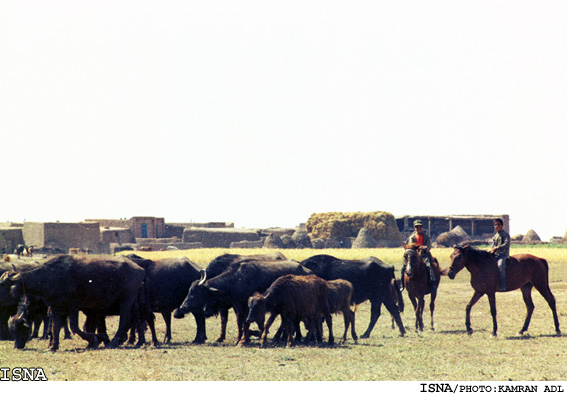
(523, 271)
(416, 279)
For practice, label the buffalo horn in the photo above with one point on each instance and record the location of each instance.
(203, 277)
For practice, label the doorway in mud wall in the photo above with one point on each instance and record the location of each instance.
(144, 230)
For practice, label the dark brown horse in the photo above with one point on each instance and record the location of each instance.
(523, 271)
(416, 280)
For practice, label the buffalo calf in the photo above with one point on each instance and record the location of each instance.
(294, 298)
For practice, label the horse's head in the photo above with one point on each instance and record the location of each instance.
(458, 261)
(411, 258)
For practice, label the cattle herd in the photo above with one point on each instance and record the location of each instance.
(134, 288)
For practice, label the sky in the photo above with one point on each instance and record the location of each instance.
(262, 113)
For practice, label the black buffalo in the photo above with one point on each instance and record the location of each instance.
(218, 266)
(370, 278)
(167, 283)
(233, 287)
(9, 303)
(69, 284)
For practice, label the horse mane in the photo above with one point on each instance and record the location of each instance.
(412, 246)
(477, 255)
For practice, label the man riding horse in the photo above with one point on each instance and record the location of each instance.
(501, 250)
(421, 239)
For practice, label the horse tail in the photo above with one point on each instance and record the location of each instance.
(545, 264)
(546, 267)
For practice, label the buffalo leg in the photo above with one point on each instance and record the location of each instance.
(167, 318)
(329, 321)
(56, 321)
(352, 329)
(346, 317)
(374, 315)
(395, 312)
(124, 322)
(201, 336)
(151, 320)
(267, 326)
(66, 330)
(74, 325)
(224, 322)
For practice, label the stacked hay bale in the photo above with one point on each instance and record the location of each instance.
(345, 226)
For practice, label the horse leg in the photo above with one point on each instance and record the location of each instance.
(545, 291)
(415, 305)
(432, 308)
(419, 312)
(492, 301)
(476, 296)
(527, 295)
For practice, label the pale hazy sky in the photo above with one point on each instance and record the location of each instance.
(264, 112)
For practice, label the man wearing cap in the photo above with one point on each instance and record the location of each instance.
(501, 250)
(421, 239)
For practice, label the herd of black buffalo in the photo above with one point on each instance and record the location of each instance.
(53, 293)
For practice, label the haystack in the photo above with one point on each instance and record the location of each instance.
(273, 241)
(288, 242)
(531, 236)
(364, 240)
(301, 239)
(450, 238)
(341, 226)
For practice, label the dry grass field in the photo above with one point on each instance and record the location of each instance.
(446, 354)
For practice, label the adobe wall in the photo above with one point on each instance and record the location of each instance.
(117, 236)
(218, 238)
(10, 238)
(63, 236)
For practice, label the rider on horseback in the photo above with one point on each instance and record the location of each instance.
(421, 239)
(501, 250)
